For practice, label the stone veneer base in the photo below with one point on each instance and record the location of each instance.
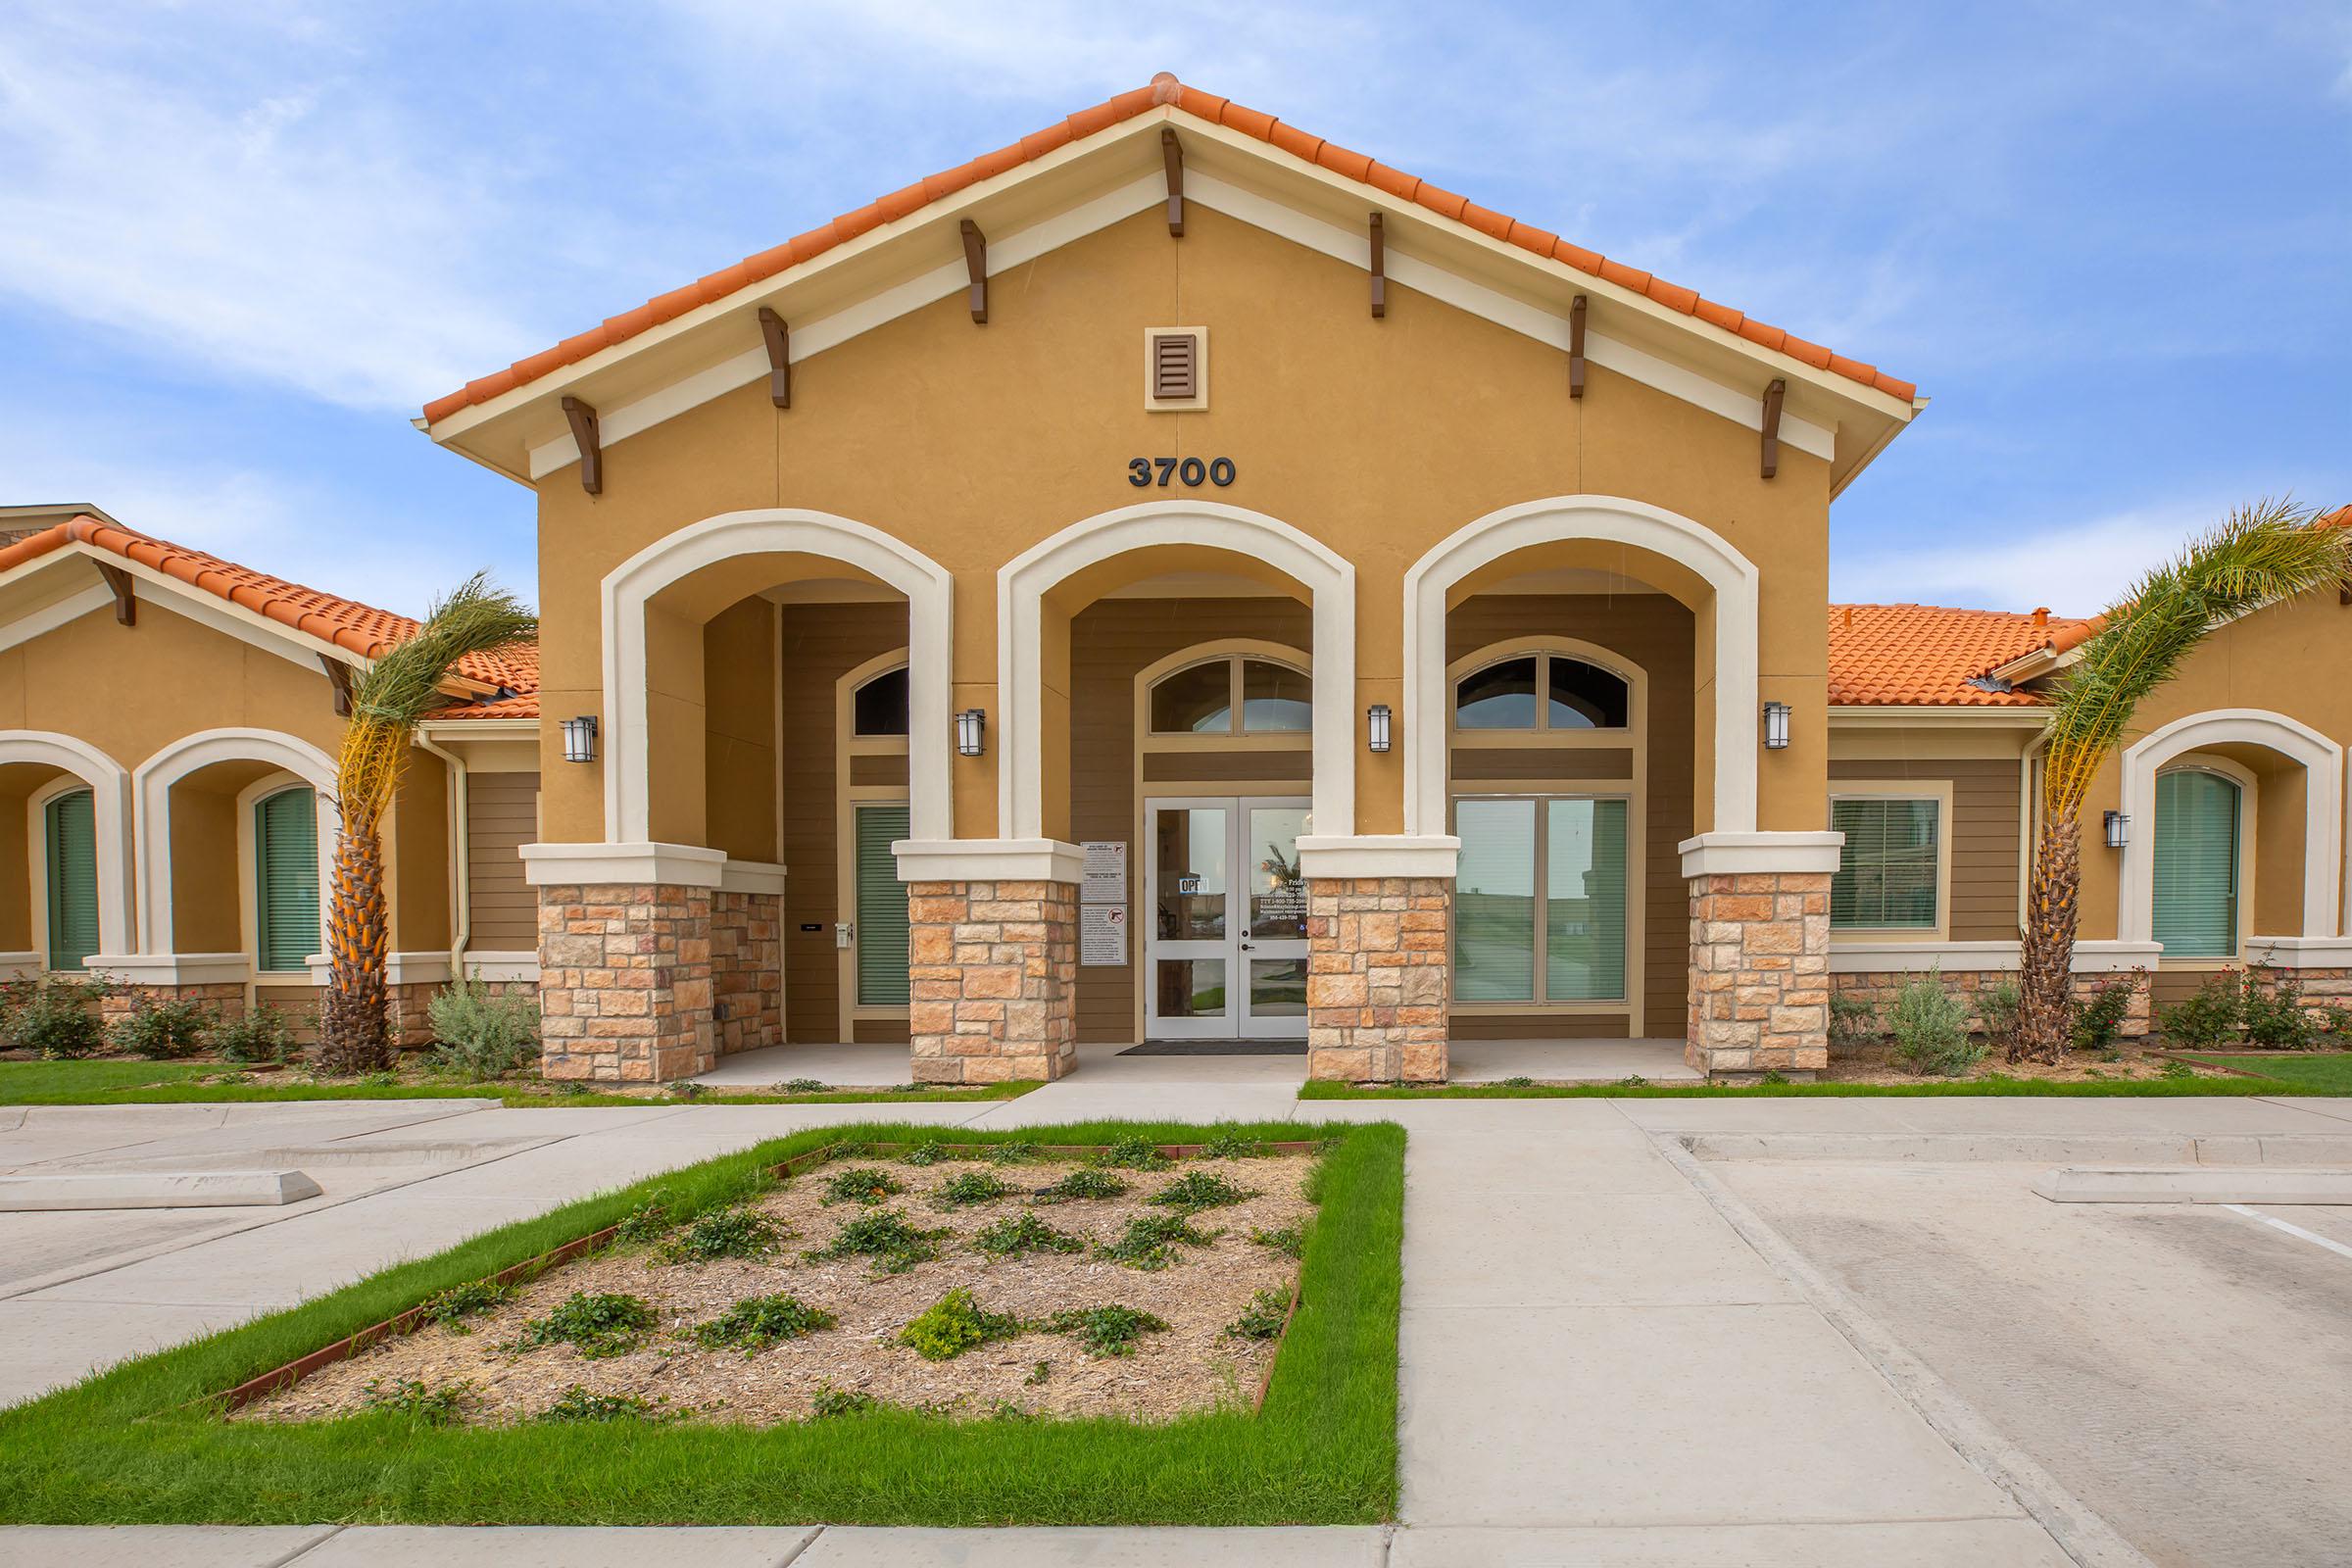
(991, 980)
(625, 982)
(1759, 974)
(1880, 987)
(1378, 978)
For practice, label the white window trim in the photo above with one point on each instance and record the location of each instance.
(110, 786)
(152, 788)
(1939, 793)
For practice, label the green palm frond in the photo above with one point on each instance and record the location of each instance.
(2263, 553)
(404, 683)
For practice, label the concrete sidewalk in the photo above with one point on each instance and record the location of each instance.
(1599, 1365)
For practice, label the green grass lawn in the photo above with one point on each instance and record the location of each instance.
(126, 1447)
(123, 1081)
(2322, 1076)
(2320, 1073)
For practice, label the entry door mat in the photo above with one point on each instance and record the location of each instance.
(1217, 1048)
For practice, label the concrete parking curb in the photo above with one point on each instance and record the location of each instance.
(2079, 1531)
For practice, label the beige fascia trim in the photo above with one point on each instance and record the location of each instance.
(988, 861)
(22, 965)
(173, 969)
(461, 730)
(2300, 953)
(1379, 855)
(55, 614)
(1761, 853)
(1874, 955)
(1929, 716)
(751, 876)
(641, 864)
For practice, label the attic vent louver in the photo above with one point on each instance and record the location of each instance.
(1176, 368)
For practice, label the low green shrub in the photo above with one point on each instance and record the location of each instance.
(1997, 1010)
(930, 1151)
(736, 1231)
(597, 1326)
(258, 1034)
(1104, 1329)
(1231, 1146)
(884, 1235)
(1290, 1240)
(804, 1086)
(1197, 1190)
(1151, 1241)
(758, 1322)
(1931, 1029)
(1014, 1152)
(833, 1403)
(56, 1016)
(1133, 1154)
(419, 1401)
(2208, 1017)
(954, 1324)
(1262, 1318)
(2272, 1005)
(1084, 1184)
(647, 1221)
(2097, 1021)
(1853, 1021)
(968, 1188)
(861, 1184)
(479, 1033)
(451, 1307)
(163, 1028)
(577, 1405)
(1019, 1235)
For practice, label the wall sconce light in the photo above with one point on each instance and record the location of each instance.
(1776, 727)
(971, 732)
(2118, 829)
(580, 739)
(1376, 727)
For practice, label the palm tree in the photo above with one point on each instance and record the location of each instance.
(387, 701)
(2267, 552)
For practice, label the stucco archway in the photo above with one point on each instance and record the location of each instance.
(2323, 762)
(1023, 583)
(152, 785)
(930, 620)
(111, 813)
(1733, 578)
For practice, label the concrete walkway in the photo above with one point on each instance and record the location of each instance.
(1607, 1357)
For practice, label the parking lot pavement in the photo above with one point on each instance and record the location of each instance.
(2180, 1369)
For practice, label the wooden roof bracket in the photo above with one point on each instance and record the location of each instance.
(338, 675)
(1772, 426)
(1380, 271)
(582, 419)
(1172, 152)
(1576, 347)
(778, 335)
(126, 606)
(975, 262)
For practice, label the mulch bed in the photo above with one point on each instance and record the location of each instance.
(1194, 1364)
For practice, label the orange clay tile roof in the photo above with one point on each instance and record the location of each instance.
(1164, 89)
(1929, 655)
(362, 629)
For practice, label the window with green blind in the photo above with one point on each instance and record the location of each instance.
(285, 853)
(881, 908)
(71, 857)
(2196, 864)
(1887, 872)
(1539, 900)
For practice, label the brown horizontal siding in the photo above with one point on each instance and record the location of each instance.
(1520, 763)
(1229, 768)
(869, 770)
(820, 644)
(502, 815)
(1986, 872)
(1110, 642)
(1657, 633)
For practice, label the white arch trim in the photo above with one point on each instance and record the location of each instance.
(930, 626)
(1024, 581)
(1732, 576)
(153, 782)
(111, 815)
(2323, 835)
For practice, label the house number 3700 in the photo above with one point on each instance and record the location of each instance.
(1189, 472)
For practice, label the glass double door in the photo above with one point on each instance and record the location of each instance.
(1225, 953)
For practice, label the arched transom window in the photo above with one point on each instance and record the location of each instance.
(1232, 694)
(1542, 692)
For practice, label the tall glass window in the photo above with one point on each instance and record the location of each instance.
(1887, 872)
(881, 908)
(1539, 900)
(70, 862)
(2196, 864)
(285, 853)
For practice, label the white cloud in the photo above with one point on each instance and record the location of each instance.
(2074, 570)
(243, 216)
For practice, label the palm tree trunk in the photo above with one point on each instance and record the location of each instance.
(2046, 1002)
(355, 1035)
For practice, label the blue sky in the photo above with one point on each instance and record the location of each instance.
(241, 243)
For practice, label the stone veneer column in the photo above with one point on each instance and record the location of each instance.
(992, 980)
(1379, 978)
(1759, 974)
(747, 970)
(624, 981)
